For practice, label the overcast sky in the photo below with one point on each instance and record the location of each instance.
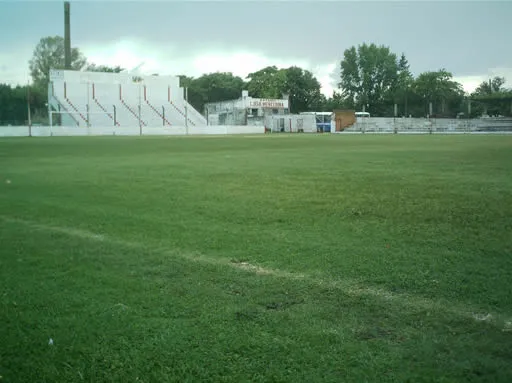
(470, 39)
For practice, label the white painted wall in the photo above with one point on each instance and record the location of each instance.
(46, 131)
(423, 125)
(375, 125)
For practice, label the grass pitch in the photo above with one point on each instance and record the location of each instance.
(312, 258)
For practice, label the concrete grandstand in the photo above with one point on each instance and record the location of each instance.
(92, 99)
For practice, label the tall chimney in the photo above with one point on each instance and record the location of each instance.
(67, 37)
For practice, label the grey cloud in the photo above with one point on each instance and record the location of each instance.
(467, 38)
(462, 37)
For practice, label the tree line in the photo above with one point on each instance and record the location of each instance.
(371, 78)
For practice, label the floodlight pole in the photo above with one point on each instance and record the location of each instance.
(67, 36)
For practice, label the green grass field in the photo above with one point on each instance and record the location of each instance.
(284, 258)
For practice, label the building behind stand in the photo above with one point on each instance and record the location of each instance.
(273, 114)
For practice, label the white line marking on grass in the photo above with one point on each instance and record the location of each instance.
(57, 229)
(349, 287)
(264, 271)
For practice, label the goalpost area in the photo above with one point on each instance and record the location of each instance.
(94, 103)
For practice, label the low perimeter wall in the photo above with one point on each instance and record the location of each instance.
(46, 131)
(423, 125)
(371, 125)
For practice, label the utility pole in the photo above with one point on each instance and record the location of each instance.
(67, 37)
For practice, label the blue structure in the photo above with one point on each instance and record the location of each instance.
(323, 120)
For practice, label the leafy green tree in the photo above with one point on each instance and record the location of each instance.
(38, 99)
(14, 103)
(492, 98)
(336, 101)
(492, 86)
(369, 76)
(300, 85)
(268, 82)
(196, 96)
(212, 87)
(49, 54)
(303, 89)
(404, 82)
(438, 88)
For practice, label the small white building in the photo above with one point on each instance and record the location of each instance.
(323, 120)
(245, 111)
(290, 123)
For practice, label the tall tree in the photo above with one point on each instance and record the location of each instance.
(268, 82)
(439, 88)
(404, 83)
(492, 86)
(492, 98)
(49, 54)
(369, 74)
(303, 90)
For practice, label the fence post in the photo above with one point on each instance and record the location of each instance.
(115, 116)
(88, 116)
(186, 116)
(29, 115)
(163, 115)
(140, 124)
